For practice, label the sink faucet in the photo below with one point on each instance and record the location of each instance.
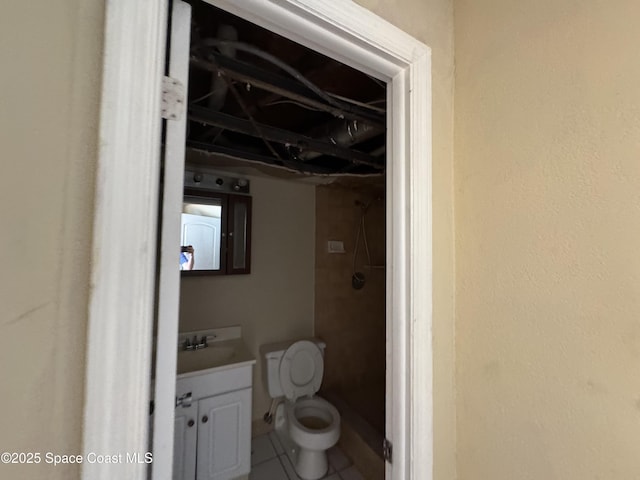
(195, 343)
(203, 343)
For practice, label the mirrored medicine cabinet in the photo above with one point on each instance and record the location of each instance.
(215, 236)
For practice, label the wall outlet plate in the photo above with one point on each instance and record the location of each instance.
(335, 246)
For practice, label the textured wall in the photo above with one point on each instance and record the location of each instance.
(50, 87)
(52, 58)
(274, 302)
(352, 322)
(431, 21)
(547, 221)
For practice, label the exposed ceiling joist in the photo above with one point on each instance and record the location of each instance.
(252, 157)
(259, 98)
(300, 142)
(272, 82)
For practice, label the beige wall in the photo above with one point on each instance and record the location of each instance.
(431, 21)
(547, 214)
(51, 57)
(51, 66)
(275, 302)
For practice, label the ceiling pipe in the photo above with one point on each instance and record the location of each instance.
(378, 151)
(343, 133)
(219, 86)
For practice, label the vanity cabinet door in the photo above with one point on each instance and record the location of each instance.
(185, 439)
(224, 436)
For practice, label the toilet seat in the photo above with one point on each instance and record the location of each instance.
(301, 370)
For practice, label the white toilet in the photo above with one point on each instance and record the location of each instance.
(306, 424)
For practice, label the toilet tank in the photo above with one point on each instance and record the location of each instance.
(271, 355)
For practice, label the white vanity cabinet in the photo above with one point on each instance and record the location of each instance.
(185, 438)
(212, 438)
(224, 436)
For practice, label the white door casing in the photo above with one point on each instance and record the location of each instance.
(121, 304)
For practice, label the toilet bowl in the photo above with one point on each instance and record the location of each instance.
(307, 424)
(313, 425)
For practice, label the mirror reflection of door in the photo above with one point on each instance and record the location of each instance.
(201, 228)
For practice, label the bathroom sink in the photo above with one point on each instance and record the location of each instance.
(217, 356)
(206, 358)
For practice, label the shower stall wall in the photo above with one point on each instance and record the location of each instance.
(350, 315)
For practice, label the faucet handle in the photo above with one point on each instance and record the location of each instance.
(196, 343)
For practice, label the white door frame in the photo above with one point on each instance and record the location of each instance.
(124, 243)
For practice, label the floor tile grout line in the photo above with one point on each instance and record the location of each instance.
(275, 441)
(268, 435)
(275, 451)
(284, 468)
(263, 461)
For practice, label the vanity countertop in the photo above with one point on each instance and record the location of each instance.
(220, 354)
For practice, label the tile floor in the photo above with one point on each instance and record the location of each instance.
(270, 462)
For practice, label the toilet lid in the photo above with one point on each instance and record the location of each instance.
(301, 370)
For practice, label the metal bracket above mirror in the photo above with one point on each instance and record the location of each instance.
(213, 182)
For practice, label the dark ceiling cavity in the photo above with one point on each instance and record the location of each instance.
(258, 97)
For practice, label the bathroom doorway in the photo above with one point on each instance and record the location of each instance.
(351, 34)
(298, 128)
(246, 117)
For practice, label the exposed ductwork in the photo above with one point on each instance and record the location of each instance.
(344, 133)
(219, 86)
(260, 98)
